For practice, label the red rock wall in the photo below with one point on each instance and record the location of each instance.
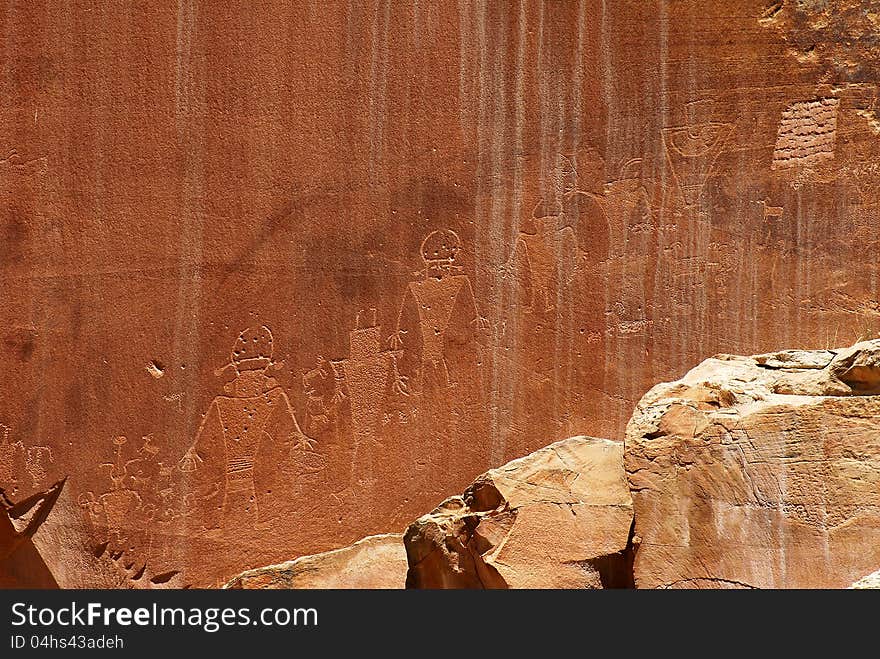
(621, 189)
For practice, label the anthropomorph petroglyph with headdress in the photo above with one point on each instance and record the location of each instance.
(247, 437)
(547, 255)
(369, 378)
(438, 325)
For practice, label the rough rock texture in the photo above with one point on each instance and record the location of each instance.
(558, 518)
(65, 543)
(21, 565)
(277, 276)
(376, 562)
(839, 35)
(759, 472)
(871, 582)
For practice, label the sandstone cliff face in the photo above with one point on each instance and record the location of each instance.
(558, 518)
(748, 472)
(759, 472)
(376, 562)
(274, 278)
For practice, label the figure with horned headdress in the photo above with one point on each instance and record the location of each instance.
(438, 325)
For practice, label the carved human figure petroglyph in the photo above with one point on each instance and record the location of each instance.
(369, 375)
(15, 455)
(438, 315)
(547, 256)
(692, 149)
(247, 435)
(630, 203)
(119, 508)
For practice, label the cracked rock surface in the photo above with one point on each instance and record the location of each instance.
(375, 562)
(557, 518)
(759, 472)
(871, 582)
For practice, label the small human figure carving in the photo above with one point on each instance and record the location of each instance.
(121, 506)
(249, 433)
(317, 386)
(37, 458)
(10, 456)
(368, 377)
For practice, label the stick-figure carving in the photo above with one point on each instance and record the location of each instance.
(121, 506)
(546, 255)
(317, 385)
(15, 455)
(438, 324)
(248, 434)
(692, 149)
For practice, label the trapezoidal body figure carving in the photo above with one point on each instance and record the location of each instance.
(247, 440)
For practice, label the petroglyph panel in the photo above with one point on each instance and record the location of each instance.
(322, 280)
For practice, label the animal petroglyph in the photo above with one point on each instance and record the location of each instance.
(771, 212)
(692, 149)
(807, 134)
(248, 435)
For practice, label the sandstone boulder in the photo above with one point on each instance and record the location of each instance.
(871, 582)
(21, 565)
(376, 562)
(557, 518)
(759, 472)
